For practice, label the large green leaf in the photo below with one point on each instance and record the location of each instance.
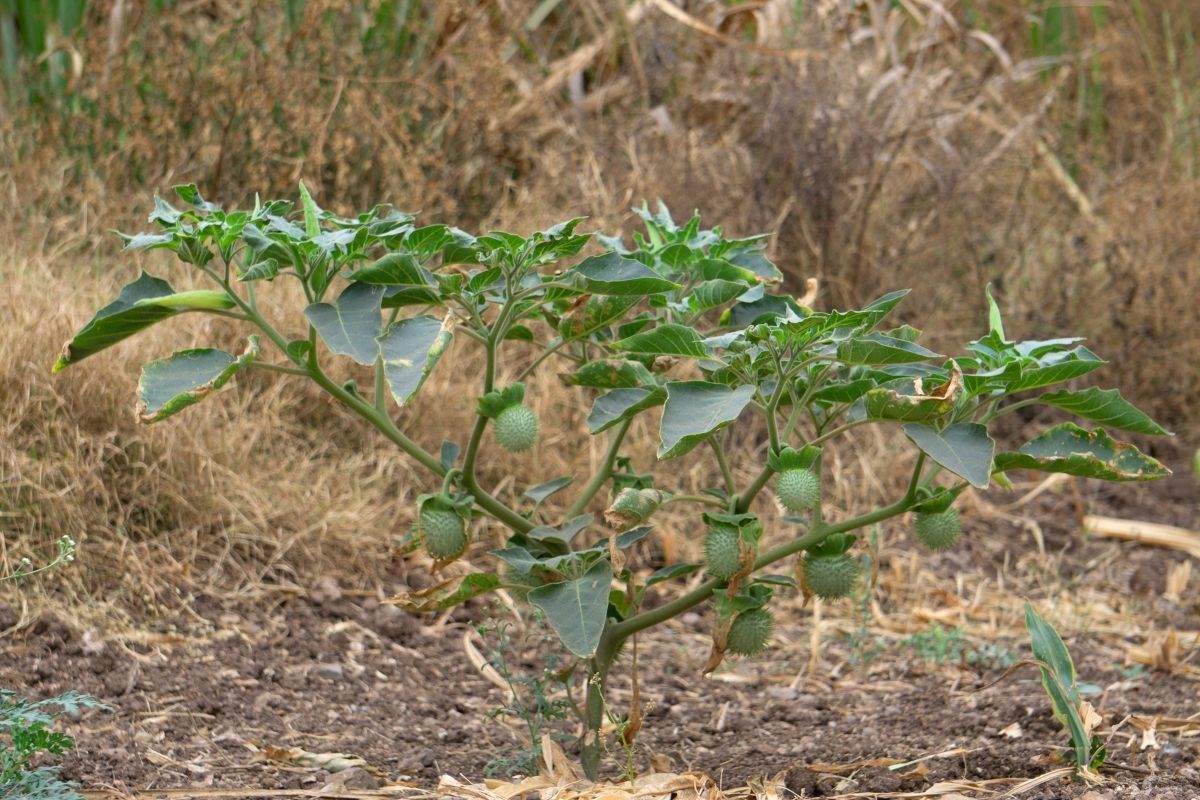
(1056, 368)
(577, 609)
(694, 410)
(613, 273)
(622, 404)
(1070, 449)
(350, 326)
(119, 319)
(169, 385)
(879, 349)
(1105, 406)
(407, 282)
(665, 340)
(410, 349)
(964, 449)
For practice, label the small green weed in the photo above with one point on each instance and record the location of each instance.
(538, 699)
(26, 730)
(942, 645)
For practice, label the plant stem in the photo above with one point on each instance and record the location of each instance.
(723, 460)
(286, 370)
(602, 474)
(700, 499)
(617, 633)
(747, 497)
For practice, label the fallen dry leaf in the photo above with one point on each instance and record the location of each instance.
(1011, 731)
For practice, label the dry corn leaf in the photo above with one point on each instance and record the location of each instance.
(1150, 533)
(330, 762)
(850, 766)
(1178, 578)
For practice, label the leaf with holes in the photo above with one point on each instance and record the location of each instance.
(1072, 450)
(171, 384)
(411, 349)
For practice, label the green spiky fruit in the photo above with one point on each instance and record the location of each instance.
(938, 530)
(830, 577)
(798, 489)
(516, 428)
(750, 632)
(722, 554)
(443, 533)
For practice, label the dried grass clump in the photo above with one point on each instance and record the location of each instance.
(882, 147)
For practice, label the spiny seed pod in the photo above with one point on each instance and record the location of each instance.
(750, 632)
(722, 554)
(938, 530)
(516, 428)
(798, 489)
(443, 533)
(830, 577)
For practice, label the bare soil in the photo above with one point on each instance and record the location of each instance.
(232, 694)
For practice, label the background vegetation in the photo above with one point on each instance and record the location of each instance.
(1052, 148)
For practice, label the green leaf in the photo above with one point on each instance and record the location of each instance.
(393, 269)
(614, 274)
(118, 320)
(171, 384)
(671, 572)
(597, 313)
(995, 323)
(1072, 450)
(622, 404)
(146, 241)
(712, 294)
(878, 349)
(538, 494)
(609, 375)
(1059, 682)
(965, 449)
(696, 409)
(1105, 406)
(312, 214)
(757, 263)
(350, 326)
(899, 400)
(266, 269)
(577, 609)
(843, 392)
(665, 340)
(765, 307)
(410, 349)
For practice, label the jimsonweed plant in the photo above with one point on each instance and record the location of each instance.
(684, 323)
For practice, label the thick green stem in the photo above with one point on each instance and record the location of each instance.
(747, 497)
(602, 474)
(723, 460)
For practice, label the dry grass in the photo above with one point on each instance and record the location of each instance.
(902, 151)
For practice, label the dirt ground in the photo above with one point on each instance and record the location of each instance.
(243, 695)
